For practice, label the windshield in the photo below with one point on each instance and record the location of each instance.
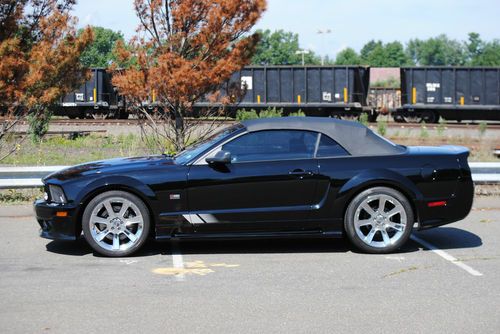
(199, 147)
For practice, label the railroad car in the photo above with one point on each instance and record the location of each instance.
(334, 91)
(96, 98)
(425, 95)
(454, 93)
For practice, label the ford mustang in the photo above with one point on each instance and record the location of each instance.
(277, 177)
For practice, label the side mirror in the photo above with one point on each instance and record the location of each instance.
(221, 157)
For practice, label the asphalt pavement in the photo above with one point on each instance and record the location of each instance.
(255, 286)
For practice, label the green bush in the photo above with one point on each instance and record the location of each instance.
(382, 127)
(243, 114)
(441, 127)
(363, 119)
(482, 128)
(298, 113)
(423, 131)
(271, 112)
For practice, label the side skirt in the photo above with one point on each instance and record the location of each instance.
(252, 235)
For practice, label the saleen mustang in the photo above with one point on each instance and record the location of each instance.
(291, 176)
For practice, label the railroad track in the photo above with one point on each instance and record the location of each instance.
(132, 122)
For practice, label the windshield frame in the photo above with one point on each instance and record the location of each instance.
(201, 147)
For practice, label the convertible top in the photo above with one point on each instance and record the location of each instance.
(356, 138)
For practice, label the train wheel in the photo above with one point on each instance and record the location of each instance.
(429, 117)
(398, 119)
(372, 118)
(412, 119)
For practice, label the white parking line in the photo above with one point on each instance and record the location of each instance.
(446, 256)
(177, 260)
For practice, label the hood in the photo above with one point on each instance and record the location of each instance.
(110, 166)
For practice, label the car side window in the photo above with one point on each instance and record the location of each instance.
(272, 145)
(329, 148)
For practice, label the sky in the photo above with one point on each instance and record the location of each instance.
(352, 22)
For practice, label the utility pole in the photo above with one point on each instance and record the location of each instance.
(302, 52)
(323, 32)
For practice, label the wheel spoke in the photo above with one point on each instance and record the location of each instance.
(101, 235)
(116, 241)
(99, 220)
(109, 209)
(133, 220)
(393, 212)
(125, 206)
(370, 235)
(362, 222)
(365, 206)
(396, 226)
(381, 203)
(131, 236)
(385, 237)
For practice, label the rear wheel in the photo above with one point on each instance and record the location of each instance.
(379, 220)
(116, 223)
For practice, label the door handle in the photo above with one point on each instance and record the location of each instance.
(301, 172)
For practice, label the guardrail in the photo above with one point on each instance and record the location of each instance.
(31, 177)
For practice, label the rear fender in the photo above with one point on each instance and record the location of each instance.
(375, 178)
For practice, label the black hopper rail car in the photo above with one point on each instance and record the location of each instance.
(454, 93)
(334, 91)
(96, 98)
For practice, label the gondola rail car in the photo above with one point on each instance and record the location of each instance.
(454, 93)
(96, 98)
(334, 91)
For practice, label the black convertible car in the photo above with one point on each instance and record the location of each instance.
(291, 176)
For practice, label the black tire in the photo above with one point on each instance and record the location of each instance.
(116, 225)
(374, 225)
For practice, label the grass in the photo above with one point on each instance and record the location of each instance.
(24, 196)
(63, 151)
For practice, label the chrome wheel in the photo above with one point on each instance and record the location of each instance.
(380, 220)
(116, 224)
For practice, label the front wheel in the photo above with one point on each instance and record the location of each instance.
(116, 223)
(379, 220)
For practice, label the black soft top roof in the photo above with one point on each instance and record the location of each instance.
(356, 138)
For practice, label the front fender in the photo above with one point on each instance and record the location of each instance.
(116, 182)
(374, 178)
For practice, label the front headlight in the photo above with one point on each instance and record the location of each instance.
(57, 194)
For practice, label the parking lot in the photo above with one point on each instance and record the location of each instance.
(263, 286)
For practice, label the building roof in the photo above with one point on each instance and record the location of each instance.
(356, 138)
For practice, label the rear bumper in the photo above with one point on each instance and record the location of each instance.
(54, 227)
(457, 207)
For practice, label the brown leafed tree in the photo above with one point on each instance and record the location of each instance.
(39, 52)
(184, 51)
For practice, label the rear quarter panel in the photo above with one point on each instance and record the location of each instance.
(420, 177)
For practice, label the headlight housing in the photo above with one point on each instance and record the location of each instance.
(57, 194)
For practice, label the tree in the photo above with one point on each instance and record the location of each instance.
(481, 53)
(437, 51)
(100, 52)
(368, 49)
(395, 55)
(40, 51)
(348, 57)
(185, 51)
(279, 48)
(376, 53)
(490, 55)
(474, 46)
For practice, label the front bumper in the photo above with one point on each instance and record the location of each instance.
(56, 227)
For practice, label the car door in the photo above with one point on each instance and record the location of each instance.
(268, 186)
